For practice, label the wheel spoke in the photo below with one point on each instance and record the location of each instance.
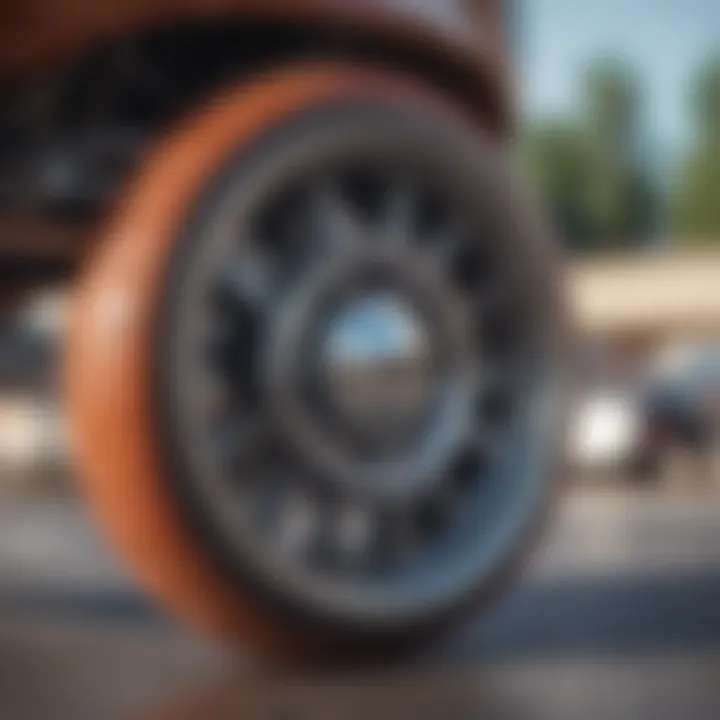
(297, 523)
(400, 215)
(240, 443)
(264, 500)
(511, 374)
(443, 246)
(398, 535)
(492, 423)
(334, 224)
(498, 372)
(249, 285)
(355, 532)
(436, 512)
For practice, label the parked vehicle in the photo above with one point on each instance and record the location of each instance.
(314, 358)
(680, 409)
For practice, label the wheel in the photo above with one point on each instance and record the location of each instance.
(313, 370)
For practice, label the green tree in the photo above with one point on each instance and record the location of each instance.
(622, 199)
(590, 169)
(559, 161)
(695, 206)
(611, 109)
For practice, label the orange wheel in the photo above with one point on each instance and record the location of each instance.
(282, 364)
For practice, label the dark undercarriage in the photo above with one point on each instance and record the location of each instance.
(69, 136)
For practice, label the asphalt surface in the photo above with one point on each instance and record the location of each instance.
(618, 617)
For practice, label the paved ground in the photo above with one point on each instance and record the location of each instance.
(618, 618)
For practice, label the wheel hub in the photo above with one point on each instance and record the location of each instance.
(371, 374)
(377, 366)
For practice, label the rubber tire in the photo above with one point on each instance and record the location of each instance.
(109, 353)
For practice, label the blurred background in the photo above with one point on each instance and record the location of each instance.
(620, 615)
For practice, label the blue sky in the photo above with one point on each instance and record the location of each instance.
(664, 40)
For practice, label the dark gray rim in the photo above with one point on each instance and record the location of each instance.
(284, 506)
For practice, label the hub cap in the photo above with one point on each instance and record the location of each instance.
(377, 359)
